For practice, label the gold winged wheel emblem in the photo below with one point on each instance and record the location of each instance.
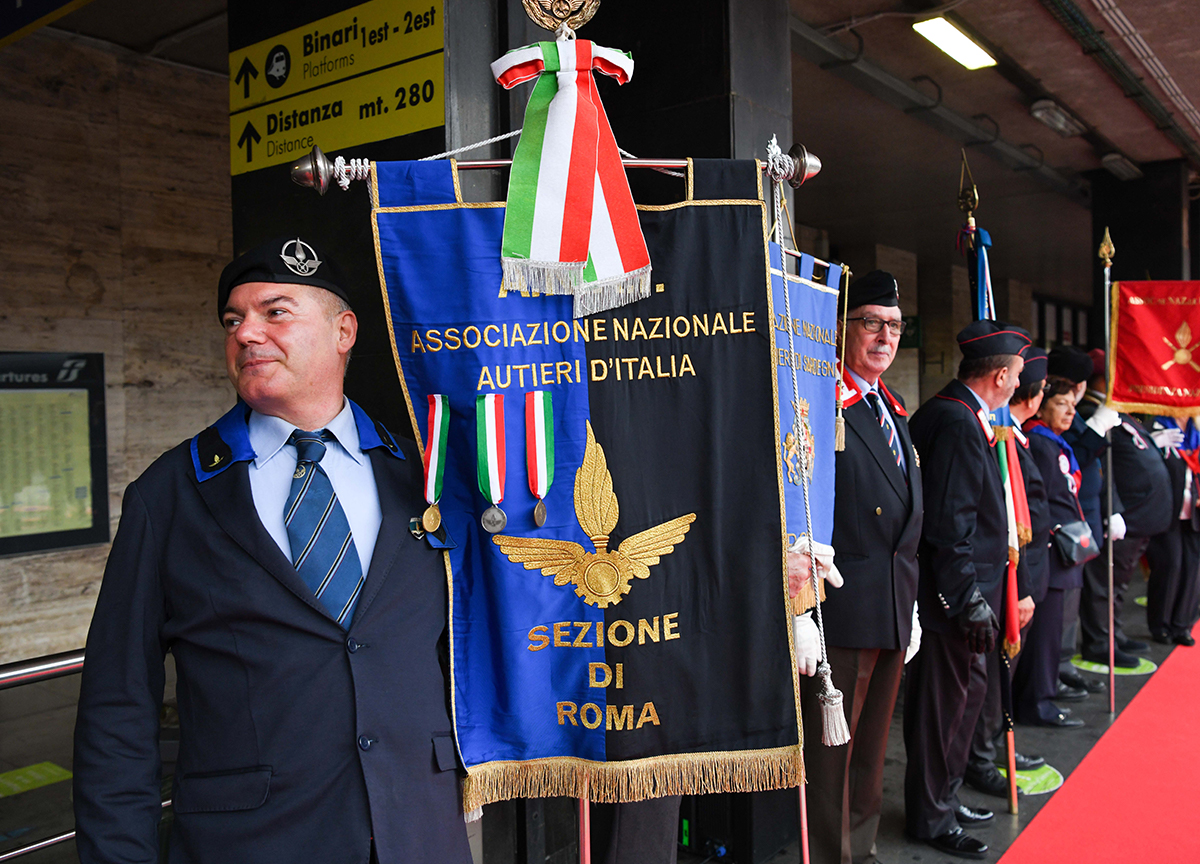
(603, 577)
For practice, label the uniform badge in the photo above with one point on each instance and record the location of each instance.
(300, 257)
(916, 457)
(1064, 464)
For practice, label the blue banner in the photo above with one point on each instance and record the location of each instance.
(638, 643)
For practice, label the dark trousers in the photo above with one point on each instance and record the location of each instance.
(845, 784)
(1173, 595)
(1070, 636)
(991, 716)
(942, 701)
(640, 832)
(1093, 603)
(1036, 681)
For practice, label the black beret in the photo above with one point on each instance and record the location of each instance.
(1071, 363)
(1035, 366)
(986, 338)
(877, 288)
(286, 260)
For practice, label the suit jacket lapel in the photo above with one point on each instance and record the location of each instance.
(861, 418)
(393, 529)
(231, 504)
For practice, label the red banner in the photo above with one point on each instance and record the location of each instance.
(1154, 364)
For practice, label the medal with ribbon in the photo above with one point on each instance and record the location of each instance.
(489, 432)
(539, 449)
(435, 459)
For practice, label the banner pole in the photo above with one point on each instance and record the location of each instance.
(585, 829)
(803, 825)
(1011, 737)
(1106, 253)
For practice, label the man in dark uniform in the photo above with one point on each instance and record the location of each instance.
(1142, 495)
(1087, 439)
(270, 555)
(987, 744)
(869, 621)
(1173, 593)
(964, 561)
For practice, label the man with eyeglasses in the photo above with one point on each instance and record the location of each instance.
(964, 562)
(870, 622)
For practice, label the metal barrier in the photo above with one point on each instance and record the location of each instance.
(48, 842)
(40, 669)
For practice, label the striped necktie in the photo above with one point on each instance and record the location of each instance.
(323, 550)
(889, 431)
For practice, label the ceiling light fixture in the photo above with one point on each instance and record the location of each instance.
(1120, 167)
(954, 42)
(1052, 114)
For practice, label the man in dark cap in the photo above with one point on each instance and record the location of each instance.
(270, 556)
(1142, 498)
(963, 565)
(870, 622)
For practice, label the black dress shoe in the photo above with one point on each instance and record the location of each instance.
(959, 843)
(1160, 635)
(1127, 644)
(1121, 659)
(1066, 693)
(1184, 638)
(1028, 763)
(987, 780)
(1061, 720)
(968, 816)
(1095, 685)
(1072, 679)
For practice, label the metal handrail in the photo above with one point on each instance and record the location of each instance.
(40, 669)
(48, 842)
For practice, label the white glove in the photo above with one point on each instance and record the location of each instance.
(1167, 439)
(1116, 527)
(824, 553)
(914, 642)
(1104, 419)
(808, 644)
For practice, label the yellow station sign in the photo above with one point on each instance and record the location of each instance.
(372, 72)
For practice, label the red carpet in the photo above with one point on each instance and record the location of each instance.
(1136, 796)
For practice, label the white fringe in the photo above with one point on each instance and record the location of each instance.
(544, 277)
(610, 293)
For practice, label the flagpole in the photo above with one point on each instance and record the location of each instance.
(585, 828)
(1106, 253)
(803, 825)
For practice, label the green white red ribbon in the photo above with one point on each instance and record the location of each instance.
(570, 226)
(539, 442)
(489, 433)
(438, 432)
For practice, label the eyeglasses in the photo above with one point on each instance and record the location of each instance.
(874, 325)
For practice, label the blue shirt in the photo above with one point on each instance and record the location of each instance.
(883, 404)
(348, 467)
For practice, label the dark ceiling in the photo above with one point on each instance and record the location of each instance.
(891, 177)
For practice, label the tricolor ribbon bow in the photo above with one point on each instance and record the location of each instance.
(570, 226)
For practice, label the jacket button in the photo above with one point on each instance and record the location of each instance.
(878, 511)
(352, 645)
(364, 743)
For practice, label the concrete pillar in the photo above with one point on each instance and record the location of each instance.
(944, 293)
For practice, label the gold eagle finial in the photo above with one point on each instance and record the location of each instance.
(602, 577)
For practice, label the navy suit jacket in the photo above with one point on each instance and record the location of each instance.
(876, 528)
(1064, 508)
(964, 542)
(299, 741)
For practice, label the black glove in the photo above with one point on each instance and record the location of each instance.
(978, 625)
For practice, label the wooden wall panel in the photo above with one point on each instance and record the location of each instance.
(114, 173)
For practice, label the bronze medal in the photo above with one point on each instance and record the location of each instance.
(431, 519)
(539, 513)
(493, 520)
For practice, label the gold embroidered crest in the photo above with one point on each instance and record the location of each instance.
(916, 456)
(791, 447)
(1183, 351)
(603, 577)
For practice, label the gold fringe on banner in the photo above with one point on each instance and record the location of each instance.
(806, 600)
(1013, 555)
(1002, 433)
(1024, 534)
(1012, 649)
(635, 780)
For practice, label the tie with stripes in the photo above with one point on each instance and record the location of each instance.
(889, 431)
(323, 549)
